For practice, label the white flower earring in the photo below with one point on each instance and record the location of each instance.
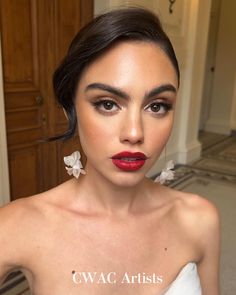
(167, 173)
(74, 163)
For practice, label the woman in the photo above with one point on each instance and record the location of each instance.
(113, 230)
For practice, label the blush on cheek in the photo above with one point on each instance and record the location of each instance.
(93, 133)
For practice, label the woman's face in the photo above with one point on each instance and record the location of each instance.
(124, 102)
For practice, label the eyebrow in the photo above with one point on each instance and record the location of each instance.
(118, 92)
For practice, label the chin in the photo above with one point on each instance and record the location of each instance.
(129, 179)
(119, 177)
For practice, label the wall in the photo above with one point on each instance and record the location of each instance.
(4, 178)
(189, 147)
(210, 63)
(233, 110)
(225, 70)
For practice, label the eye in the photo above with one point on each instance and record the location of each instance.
(105, 105)
(160, 108)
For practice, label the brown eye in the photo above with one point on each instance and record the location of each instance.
(105, 105)
(160, 108)
(155, 107)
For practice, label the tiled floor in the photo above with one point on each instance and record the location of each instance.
(220, 157)
(209, 139)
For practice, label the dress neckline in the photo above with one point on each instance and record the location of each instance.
(188, 266)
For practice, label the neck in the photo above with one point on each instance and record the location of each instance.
(97, 193)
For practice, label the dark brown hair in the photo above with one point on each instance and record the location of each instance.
(126, 24)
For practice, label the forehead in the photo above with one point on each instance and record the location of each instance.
(131, 62)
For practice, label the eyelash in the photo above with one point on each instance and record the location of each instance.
(167, 106)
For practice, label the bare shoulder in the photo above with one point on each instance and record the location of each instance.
(194, 213)
(34, 206)
(14, 214)
(202, 212)
(197, 223)
(195, 205)
(20, 220)
(12, 236)
(198, 207)
(17, 218)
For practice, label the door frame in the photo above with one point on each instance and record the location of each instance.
(4, 171)
(210, 63)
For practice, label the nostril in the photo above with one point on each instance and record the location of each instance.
(132, 130)
(133, 140)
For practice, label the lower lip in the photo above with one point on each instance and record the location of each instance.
(128, 165)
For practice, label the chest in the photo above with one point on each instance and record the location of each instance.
(104, 258)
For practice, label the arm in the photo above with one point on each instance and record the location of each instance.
(208, 267)
(9, 242)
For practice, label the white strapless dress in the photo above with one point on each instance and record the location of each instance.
(187, 282)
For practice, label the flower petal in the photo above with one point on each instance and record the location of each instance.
(166, 173)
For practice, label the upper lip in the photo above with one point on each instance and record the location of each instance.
(127, 154)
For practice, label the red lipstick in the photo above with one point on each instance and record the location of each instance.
(129, 161)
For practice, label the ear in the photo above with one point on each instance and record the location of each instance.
(64, 111)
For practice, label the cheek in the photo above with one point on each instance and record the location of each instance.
(93, 132)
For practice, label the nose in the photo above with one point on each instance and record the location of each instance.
(132, 129)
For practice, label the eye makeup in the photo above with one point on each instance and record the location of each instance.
(157, 108)
(108, 99)
(161, 107)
